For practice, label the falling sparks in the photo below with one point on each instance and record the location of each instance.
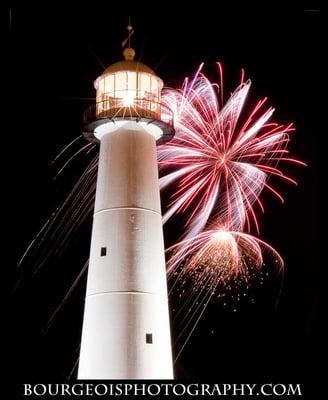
(210, 265)
(216, 257)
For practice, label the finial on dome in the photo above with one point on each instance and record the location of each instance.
(129, 54)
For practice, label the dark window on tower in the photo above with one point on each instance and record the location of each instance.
(103, 251)
(149, 338)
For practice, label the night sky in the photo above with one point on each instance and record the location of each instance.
(55, 54)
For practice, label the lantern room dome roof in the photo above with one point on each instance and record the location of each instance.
(127, 65)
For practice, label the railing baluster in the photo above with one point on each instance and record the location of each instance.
(142, 108)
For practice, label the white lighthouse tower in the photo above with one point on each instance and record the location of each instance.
(126, 329)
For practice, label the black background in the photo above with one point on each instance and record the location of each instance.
(56, 53)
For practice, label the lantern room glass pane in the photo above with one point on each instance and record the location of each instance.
(155, 84)
(100, 89)
(120, 83)
(143, 85)
(109, 84)
(132, 81)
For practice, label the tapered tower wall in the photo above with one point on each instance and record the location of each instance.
(126, 329)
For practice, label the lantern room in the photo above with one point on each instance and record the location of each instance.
(129, 90)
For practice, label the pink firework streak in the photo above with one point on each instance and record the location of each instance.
(220, 164)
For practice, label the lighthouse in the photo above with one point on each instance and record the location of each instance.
(126, 327)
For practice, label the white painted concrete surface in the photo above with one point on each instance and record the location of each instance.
(126, 300)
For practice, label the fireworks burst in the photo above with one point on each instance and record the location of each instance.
(219, 164)
(219, 256)
(210, 264)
